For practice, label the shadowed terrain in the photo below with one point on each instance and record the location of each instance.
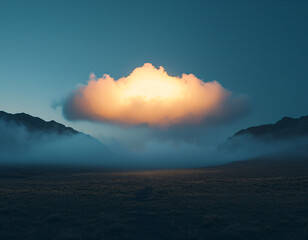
(255, 199)
(28, 139)
(286, 128)
(35, 124)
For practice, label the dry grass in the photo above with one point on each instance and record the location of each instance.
(251, 200)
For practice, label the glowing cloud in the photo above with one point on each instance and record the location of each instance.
(147, 96)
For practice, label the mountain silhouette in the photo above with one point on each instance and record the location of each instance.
(36, 124)
(285, 129)
(287, 137)
(27, 138)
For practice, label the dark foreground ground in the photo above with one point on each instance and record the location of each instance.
(246, 200)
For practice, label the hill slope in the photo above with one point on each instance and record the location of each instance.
(36, 124)
(288, 136)
(24, 138)
(286, 128)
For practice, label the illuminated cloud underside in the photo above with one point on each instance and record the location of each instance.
(147, 96)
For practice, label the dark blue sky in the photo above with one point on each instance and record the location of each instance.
(257, 48)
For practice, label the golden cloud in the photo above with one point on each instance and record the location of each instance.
(147, 96)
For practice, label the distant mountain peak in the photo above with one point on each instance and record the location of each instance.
(285, 128)
(28, 139)
(286, 119)
(36, 123)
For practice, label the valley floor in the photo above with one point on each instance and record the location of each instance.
(262, 199)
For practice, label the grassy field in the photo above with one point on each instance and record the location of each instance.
(266, 199)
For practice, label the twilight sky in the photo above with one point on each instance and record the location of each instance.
(256, 48)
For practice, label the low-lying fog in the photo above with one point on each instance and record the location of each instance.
(20, 146)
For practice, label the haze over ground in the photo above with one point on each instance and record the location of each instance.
(30, 140)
